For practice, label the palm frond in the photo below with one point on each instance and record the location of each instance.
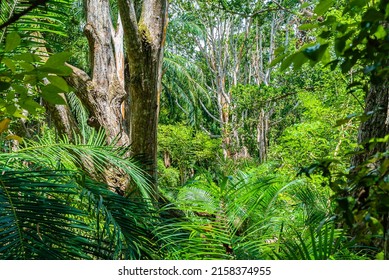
(32, 17)
(323, 243)
(93, 156)
(222, 220)
(81, 114)
(63, 215)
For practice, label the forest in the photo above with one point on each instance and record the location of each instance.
(194, 129)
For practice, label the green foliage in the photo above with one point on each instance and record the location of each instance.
(323, 243)
(364, 216)
(63, 215)
(93, 158)
(184, 149)
(220, 219)
(36, 16)
(357, 36)
(26, 76)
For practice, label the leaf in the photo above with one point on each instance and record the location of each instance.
(307, 26)
(316, 52)
(4, 125)
(279, 51)
(58, 70)
(12, 41)
(59, 83)
(4, 85)
(58, 59)
(27, 66)
(277, 60)
(30, 80)
(20, 89)
(31, 106)
(27, 57)
(372, 15)
(52, 95)
(340, 43)
(14, 137)
(323, 7)
(287, 62)
(380, 33)
(298, 60)
(9, 63)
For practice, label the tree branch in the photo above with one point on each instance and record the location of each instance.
(82, 84)
(130, 27)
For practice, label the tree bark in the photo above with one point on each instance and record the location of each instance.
(376, 126)
(144, 40)
(122, 93)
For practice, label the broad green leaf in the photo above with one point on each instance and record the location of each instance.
(28, 57)
(387, 11)
(27, 66)
(30, 80)
(287, 62)
(372, 15)
(308, 26)
(58, 70)
(298, 60)
(11, 109)
(4, 85)
(20, 89)
(31, 106)
(380, 33)
(316, 52)
(52, 94)
(12, 41)
(59, 82)
(325, 34)
(305, 5)
(4, 125)
(279, 51)
(58, 59)
(323, 7)
(358, 3)
(10, 96)
(277, 60)
(9, 63)
(340, 43)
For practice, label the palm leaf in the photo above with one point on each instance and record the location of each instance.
(94, 156)
(17, 14)
(37, 221)
(322, 243)
(221, 220)
(64, 215)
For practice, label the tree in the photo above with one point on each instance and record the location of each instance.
(233, 43)
(356, 40)
(122, 92)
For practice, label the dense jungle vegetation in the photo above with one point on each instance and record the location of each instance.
(195, 129)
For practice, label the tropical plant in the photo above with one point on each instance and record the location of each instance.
(48, 214)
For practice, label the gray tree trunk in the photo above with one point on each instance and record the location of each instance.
(125, 105)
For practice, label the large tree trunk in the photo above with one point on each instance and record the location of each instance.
(125, 103)
(103, 92)
(144, 38)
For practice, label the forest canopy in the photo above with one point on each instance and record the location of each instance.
(194, 129)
